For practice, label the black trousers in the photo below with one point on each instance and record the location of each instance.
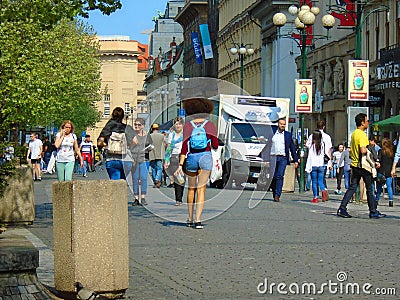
(178, 188)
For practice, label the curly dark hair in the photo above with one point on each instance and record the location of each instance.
(198, 105)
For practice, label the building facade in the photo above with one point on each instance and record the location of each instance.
(124, 64)
(238, 27)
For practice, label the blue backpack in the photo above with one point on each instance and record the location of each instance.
(198, 138)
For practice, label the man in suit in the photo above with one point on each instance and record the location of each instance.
(282, 143)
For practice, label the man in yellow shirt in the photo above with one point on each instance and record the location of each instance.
(358, 145)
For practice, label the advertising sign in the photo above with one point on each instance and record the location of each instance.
(303, 95)
(196, 47)
(351, 123)
(205, 37)
(358, 80)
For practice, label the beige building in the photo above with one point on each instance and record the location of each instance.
(123, 69)
(237, 27)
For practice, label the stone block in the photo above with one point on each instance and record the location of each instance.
(90, 230)
(17, 204)
(17, 254)
(289, 179)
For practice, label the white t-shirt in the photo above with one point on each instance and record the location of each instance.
(66, 151)
(177, 146)
(34, 147)
(336, 158)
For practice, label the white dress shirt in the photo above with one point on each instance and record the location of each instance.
(278, 143)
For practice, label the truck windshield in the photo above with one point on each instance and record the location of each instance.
(251, 133)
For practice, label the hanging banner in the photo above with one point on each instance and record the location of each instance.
(303, 95)
(358, 80)
(205, 38)
(196, 47)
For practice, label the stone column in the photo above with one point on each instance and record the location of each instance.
(91, 243)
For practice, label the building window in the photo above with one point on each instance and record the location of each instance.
(107, 98)
(127, 109)
(106, 113)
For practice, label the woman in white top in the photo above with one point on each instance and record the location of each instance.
(66, 143)
(171, 159)
(315, 166)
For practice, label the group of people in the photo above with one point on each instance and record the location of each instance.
(180, 157)
(60, 155)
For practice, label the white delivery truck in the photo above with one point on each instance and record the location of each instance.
(244, 127)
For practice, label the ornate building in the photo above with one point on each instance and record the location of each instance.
(123, 68)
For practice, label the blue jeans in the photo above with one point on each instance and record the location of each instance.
(117, 169)
(140, 173)
(156, 169)
(277, 181)
(347, 175)
(308, 182)
(317, 177)
(389, 185)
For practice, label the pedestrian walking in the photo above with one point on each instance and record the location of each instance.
(142, 145)
(346, 161)
(199, 136)
(316, 166)
(34, 154)
(66, 143)
(339, 166)
(326, 140)
(171, 160)
(282, 144)
(156, 156)
(358, 148)
(111, 140)
(386, 158)
(87, 152)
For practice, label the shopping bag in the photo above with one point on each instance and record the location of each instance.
(216, 171)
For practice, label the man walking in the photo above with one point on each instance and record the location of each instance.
(358, 146)
(282, 143)
(86, 149)
(35, 148)
(156, 156)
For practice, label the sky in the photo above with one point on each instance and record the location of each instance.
(132, 19)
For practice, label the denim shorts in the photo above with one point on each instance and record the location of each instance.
(197, 161)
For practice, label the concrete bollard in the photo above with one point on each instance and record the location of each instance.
(91, 243)
(289, 179)
(17, 204)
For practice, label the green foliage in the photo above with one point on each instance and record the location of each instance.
(49, 66)
(49, 12)
(7, 169)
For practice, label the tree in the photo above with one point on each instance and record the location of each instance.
(48, 75)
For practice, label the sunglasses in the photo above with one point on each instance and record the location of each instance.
(138, 124)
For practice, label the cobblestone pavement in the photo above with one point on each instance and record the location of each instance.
(245, 253)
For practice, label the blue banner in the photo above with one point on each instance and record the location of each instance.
(205, 38)
(196, 47)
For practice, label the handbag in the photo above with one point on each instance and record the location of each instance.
(381, 179)
(326, 159)
(216, 170)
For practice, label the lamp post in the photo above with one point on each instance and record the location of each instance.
(180, 80)
(353, 14)
(304, 38)
(163, 92)
(149, 103)
(242, 50)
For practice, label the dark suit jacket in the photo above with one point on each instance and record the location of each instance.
(289, 146)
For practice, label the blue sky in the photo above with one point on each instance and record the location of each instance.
(133, 18)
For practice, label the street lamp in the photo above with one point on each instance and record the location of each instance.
(163, 92)
(149, 103)
(242, 50)
(180, 80)
(304, 38)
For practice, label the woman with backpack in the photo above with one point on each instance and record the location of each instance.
(113, 138)
(199, 136)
